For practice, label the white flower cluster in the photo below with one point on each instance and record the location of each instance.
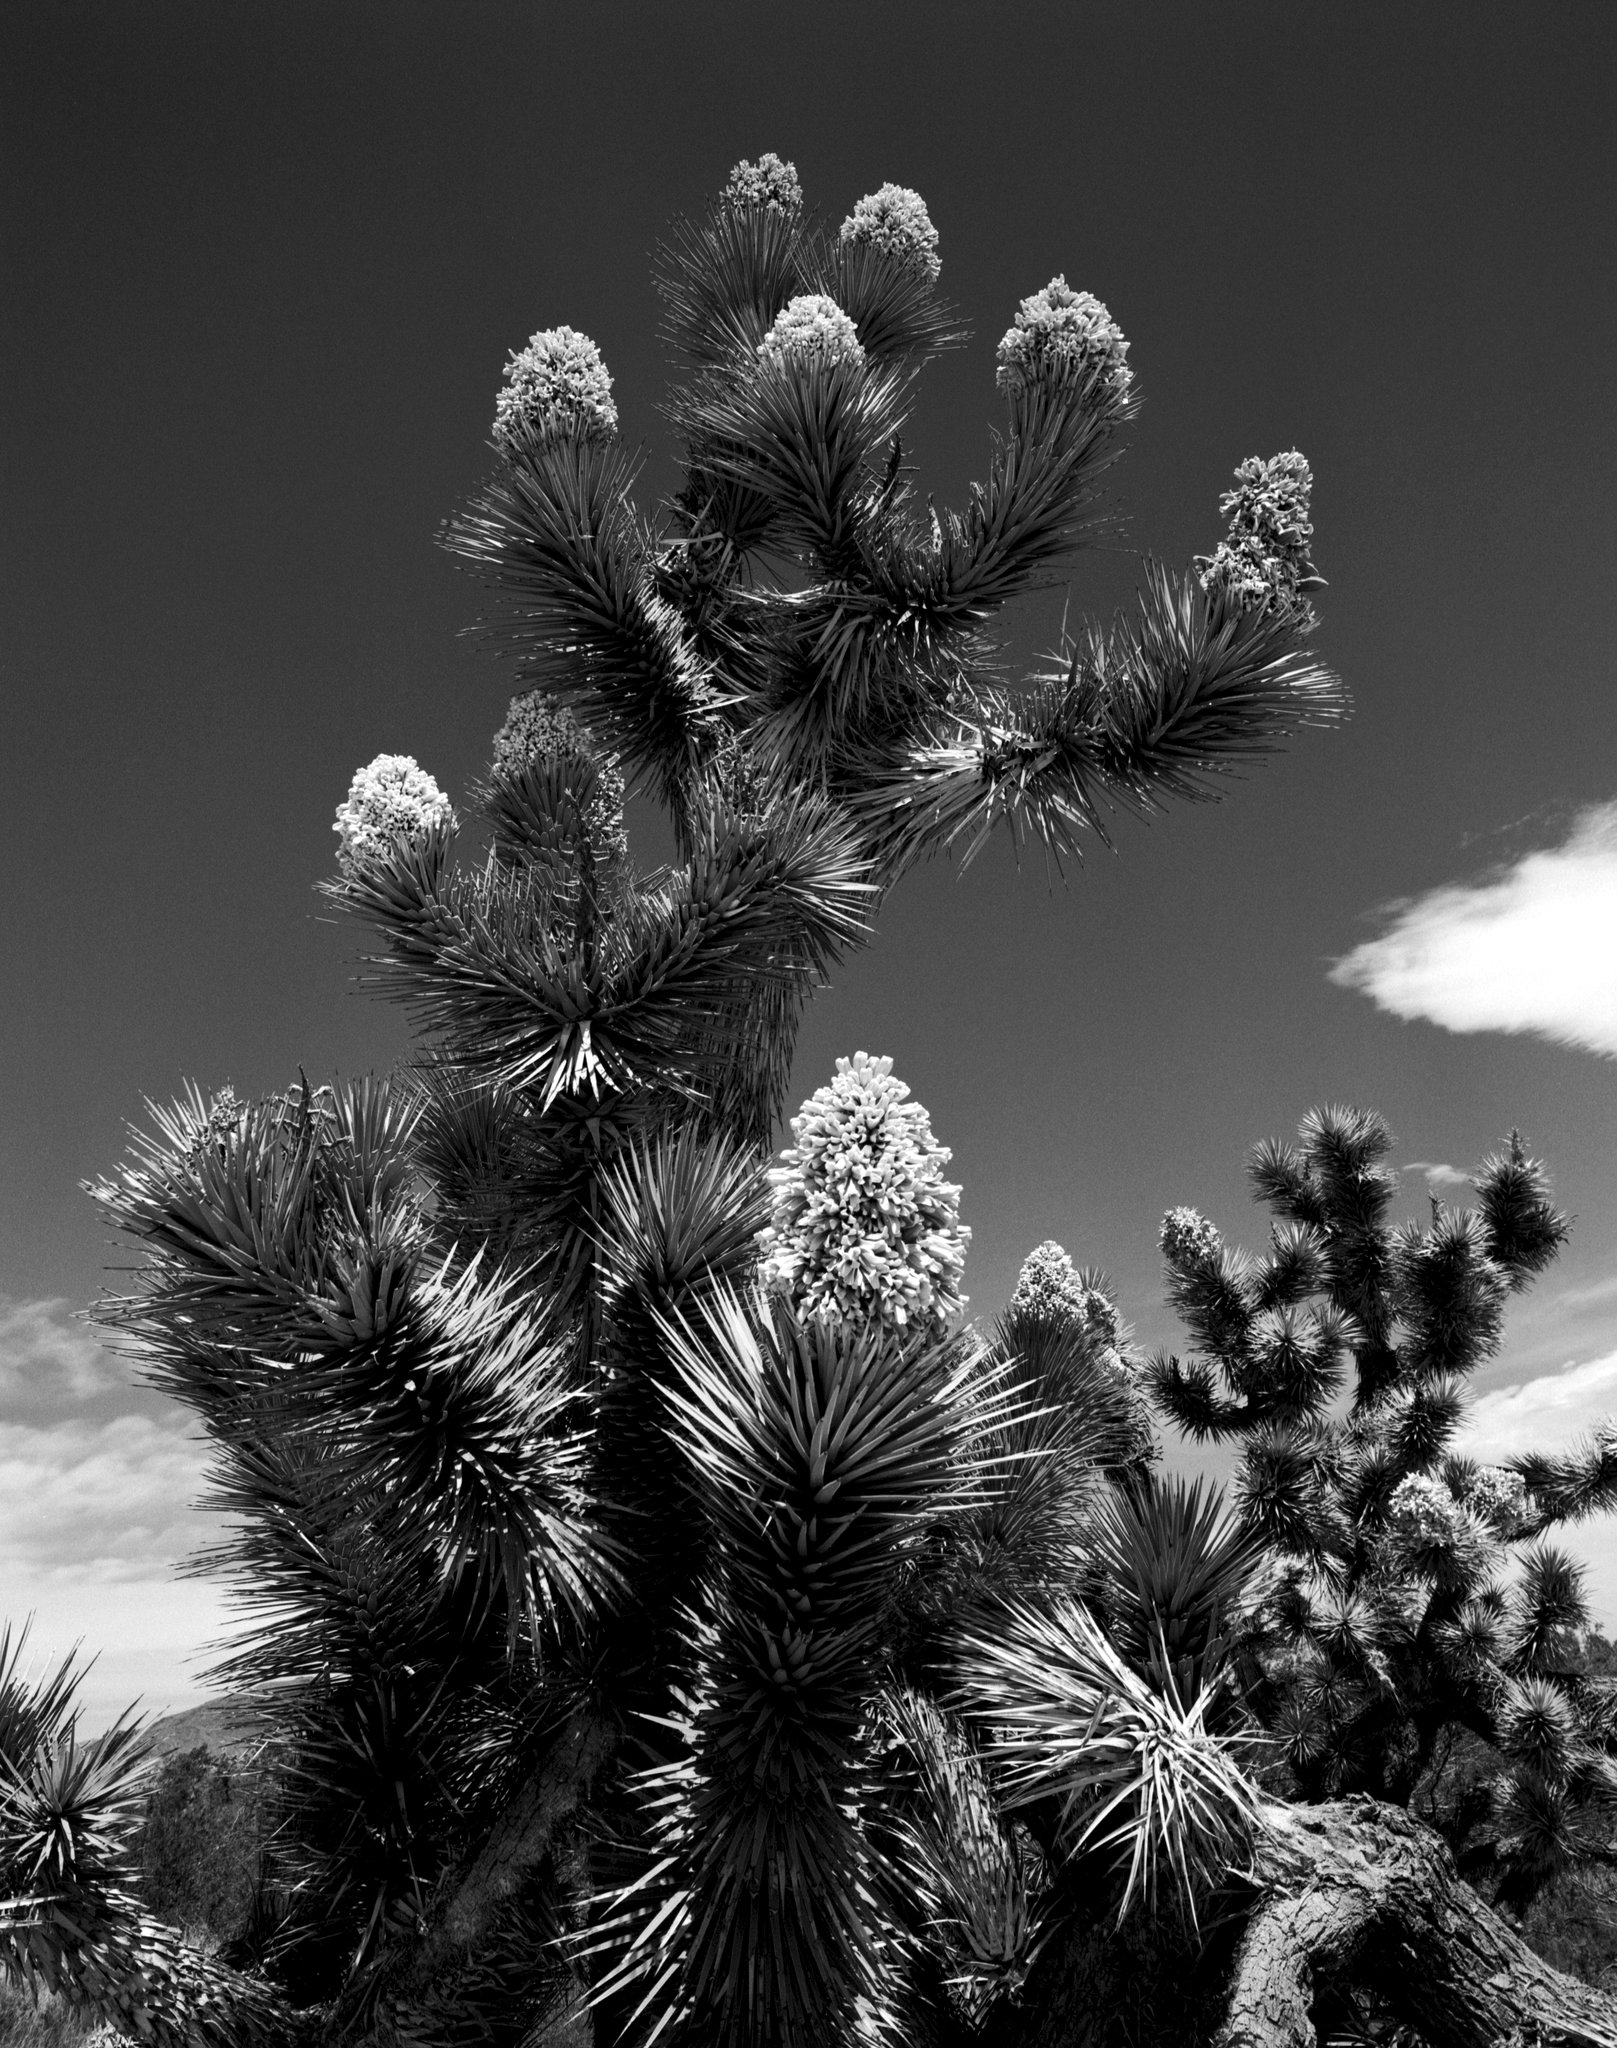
(1048, 1286)
(1264, 560)
(1422, 1511)
(1059, 329)
(535, 730)
(864, 1226)
(809, 329)
(391, 799)
(895, 220)
(1188, 1239)
(214, 1128)
(771, 181)
(558, 384)
(1500, 1497)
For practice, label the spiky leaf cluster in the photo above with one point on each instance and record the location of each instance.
(1339, 1360)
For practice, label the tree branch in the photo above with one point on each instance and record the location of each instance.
(1359, 1893)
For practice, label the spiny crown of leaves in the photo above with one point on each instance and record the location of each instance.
(1128, 1770)
(864, 1226)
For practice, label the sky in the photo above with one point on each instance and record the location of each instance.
(263, 268)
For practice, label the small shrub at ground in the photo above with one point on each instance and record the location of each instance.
(200, 1845)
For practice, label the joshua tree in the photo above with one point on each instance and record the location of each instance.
(668, 1617)
(1395, 1650)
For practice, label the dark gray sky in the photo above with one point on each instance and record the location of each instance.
(261, 270)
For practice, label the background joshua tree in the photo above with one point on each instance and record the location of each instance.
(667, 1619)
(1398, 1660)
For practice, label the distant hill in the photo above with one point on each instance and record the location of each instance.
(224, 1728)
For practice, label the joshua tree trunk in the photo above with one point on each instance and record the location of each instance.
(1357, 1894)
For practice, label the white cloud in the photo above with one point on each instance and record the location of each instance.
(97, 1481)
(114, 1493)
(1533, 947)
(1437, 1174)
(1551, 1413)
(49, 1361)
(1544, 1414)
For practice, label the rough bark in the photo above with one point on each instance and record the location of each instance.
(521, 1840)
(1357, 1894)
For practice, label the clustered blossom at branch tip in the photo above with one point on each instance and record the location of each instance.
(864, 1227)
(1423, 1507)
(392, 798)
(557, 385)
(1187, 1239)
(219, 1123)
(811, 328)
(1058, 330)
(1500, 1497)
(771, 181)
(536, 728)
(734, 778)
(895, 220)
(1048, 1286)
(1263, 562)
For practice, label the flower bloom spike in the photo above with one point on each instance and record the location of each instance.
(1047, 1286)
(1263, 562)
(1188, 1239)
(557, 385)
(391, 799)
(537, 730)
(1500, 1497)
(1059, 331)
(771, 181)
(864, 1225)
(895, 220)
(811, 329)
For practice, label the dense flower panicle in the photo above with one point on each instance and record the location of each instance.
(895, 220)
(392, 798)
(218, 1123)
(811, 328)
(558, 384)
(1264, 559)
(1058, 330)
(1422, 1511)
(771, 181)
(1187, 1238)
(1048, 1286)
(864, 1226)
(1500, 1497)
(536, 729)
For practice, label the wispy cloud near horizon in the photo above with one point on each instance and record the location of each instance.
(97, 1481)
(1552, 1412)
(1546, 1413)
(1531, 947)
